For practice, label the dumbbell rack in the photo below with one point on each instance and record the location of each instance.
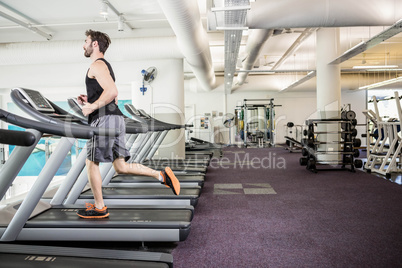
(312, 149)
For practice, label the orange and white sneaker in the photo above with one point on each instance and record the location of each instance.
(91, 212)
(170, 180)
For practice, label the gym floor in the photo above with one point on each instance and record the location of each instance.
(260, 208)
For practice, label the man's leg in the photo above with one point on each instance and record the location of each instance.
(122, 167)
(97, 210)
(166, 177)
(95, 181)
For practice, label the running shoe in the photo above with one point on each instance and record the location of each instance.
(91, 212)
(170, 180)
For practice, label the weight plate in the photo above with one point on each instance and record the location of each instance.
(357, 143)
(350, 115)
(358, 163)
(303, 161)
(343, 115)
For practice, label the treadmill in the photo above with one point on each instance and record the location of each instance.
(188, 166)
(141, 116)
(34, 219)
(71, 191)
(20, 255)
(190, 178)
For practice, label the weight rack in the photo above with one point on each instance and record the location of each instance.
(348, 142)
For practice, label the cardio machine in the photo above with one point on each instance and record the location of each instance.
(72, 190)
(21, 255)
(35, 219)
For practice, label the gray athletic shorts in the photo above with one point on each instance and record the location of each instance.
(107, 148)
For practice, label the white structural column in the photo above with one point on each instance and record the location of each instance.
(328, 86)
(165, 101)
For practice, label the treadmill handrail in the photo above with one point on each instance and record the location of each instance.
(173, 126)
(66, 129)
(132, 127)
(16, 137)
(152, 121)
(152, 126)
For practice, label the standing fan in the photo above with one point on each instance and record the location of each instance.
(229, 121)
(148, 76)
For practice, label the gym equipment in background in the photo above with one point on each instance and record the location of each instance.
(342, 147)
(383, 157)
(294, 137)
(259, 122)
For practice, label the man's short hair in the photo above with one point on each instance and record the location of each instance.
(102, 38)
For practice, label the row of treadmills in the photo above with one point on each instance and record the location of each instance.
(141, 209)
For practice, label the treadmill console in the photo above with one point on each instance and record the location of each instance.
(143, 113)
(36, 100)
(133, 110)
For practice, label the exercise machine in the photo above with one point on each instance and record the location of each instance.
(72, 190)
(21, 255)
(35, 219)
(259, 122)
(384, 157)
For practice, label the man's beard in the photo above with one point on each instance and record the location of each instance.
(88, 51)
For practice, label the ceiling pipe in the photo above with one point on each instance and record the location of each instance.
(19, 13)
(303, 36)
(322, 13)
(255, 42)
(118, 14)
(26, 25)
(184, 18)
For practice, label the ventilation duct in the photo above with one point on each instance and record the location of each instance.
(184, 18)
(323, 13)
(255, 42)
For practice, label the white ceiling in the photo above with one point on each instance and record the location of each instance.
(68, 20)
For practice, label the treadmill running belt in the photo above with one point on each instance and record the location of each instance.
(118, 218)
(143, 193)
(131, 178)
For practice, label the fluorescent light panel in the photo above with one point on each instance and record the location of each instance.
(301, 81)
(382, 83)
(375, 66)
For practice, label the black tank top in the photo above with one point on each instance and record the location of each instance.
(94, 90)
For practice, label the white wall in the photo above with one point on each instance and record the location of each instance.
(358, 101)
(164, 99)
(59, 81)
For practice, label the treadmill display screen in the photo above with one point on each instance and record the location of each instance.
(36, 100)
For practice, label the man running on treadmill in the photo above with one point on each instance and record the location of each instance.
(100, 105)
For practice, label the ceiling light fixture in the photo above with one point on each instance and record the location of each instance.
(382, 83)
(375, 66)
(104, 9)
(385, 70)
(120, 24)
(301, 81)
